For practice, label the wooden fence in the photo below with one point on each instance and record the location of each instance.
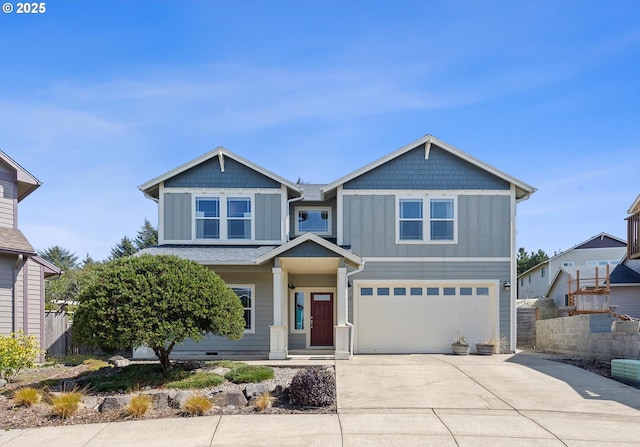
(57, 336)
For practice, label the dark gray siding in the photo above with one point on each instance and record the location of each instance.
(177, 216)
(268, 217)
(483, 228)
(499, 271)
(208, 175)
(325, 280)
(442, 170)
(257, 342)
(309, 250)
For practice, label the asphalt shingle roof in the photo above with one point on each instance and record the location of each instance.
(209, 255)
(13, 241)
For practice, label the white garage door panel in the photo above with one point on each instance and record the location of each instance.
(423, 324)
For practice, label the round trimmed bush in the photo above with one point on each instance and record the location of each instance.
(314, 387)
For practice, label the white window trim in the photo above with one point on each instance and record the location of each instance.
(426, 218)
(222, 197)
(252, 330)
(314, 208)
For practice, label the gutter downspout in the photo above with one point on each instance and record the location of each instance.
(16, 269)
(288, 218)
(347, 322)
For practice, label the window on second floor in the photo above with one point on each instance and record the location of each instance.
(427, 220)
(313, 220)
(219, 217)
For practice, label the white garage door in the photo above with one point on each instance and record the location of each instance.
(395, 317)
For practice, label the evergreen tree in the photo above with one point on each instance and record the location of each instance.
(147, 236)
(527, 261)
(124, 248)
(60, 257)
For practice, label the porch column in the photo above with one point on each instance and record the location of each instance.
(342, 330)
(278, 331)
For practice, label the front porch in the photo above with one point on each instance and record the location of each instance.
(310, 299)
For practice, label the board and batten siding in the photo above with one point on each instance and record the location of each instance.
(6, 294)
(434, 271)
(34, 299)
(250, 342)
(268, 217)
(7, 204)
(370, 226)
(177, 216)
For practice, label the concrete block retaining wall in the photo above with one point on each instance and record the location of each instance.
(593, 335)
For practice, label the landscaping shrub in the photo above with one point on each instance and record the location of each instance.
(249, 374)
(67, 403)
(27, 396)
(263, 401)
(197, 405)
(315, 387)
(139, 405)
(17, 352)
(197, 380)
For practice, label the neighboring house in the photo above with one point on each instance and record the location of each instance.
(633, 230)
(22, 272)
(599, 250)
(400, 256)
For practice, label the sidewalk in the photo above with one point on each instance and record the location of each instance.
(436, 400)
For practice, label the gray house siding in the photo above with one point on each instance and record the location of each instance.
(262, 279)
(268, 217)
(177, 216)
(309, 250)
(6, 293)
(7, 203)
(499, 271)
(443, 171)
(209, 175)
(483, 228)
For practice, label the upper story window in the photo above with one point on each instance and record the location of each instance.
(313, 220)
(427, 220)
(567, 264)
(220, 217)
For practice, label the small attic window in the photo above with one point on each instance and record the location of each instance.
(315, 220)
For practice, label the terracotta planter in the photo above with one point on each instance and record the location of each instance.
(460, 349)
(484, 349)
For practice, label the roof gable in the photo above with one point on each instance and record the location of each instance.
(220, 168)
(301, 241)
(635, 206)
(622, 274)
(26, 182)
(602, 240)
(426, 143)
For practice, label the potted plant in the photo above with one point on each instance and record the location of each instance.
(460, 346)
(486, 347)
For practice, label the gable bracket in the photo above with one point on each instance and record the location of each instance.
(427, 148)
(221, 160)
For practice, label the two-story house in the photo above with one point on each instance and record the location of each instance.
(399, 256)
(598, 251)
(22, 272)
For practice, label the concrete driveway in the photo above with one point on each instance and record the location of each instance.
(501, 400)
(405, 400)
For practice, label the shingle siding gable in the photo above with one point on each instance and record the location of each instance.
(442, 171)
(209, 175)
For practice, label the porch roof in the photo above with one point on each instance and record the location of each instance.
(310, 237)
(211, 255)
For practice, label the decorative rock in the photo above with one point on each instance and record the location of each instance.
(159, 399)
(118, 361)
(115, 403)
(3, 383)
(91, 402)
(255, 389)
(226, 398)
(181, 397)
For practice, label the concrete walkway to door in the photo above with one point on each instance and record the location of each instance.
(405, 400)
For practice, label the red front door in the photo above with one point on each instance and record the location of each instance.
(322, 319)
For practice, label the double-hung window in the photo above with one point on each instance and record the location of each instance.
(442, 220)
(223, 217)
(207, 218)
(411, 220)
(245, 293)
(238, 218)
(426, 220)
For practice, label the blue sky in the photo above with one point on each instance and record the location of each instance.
(97, 97)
